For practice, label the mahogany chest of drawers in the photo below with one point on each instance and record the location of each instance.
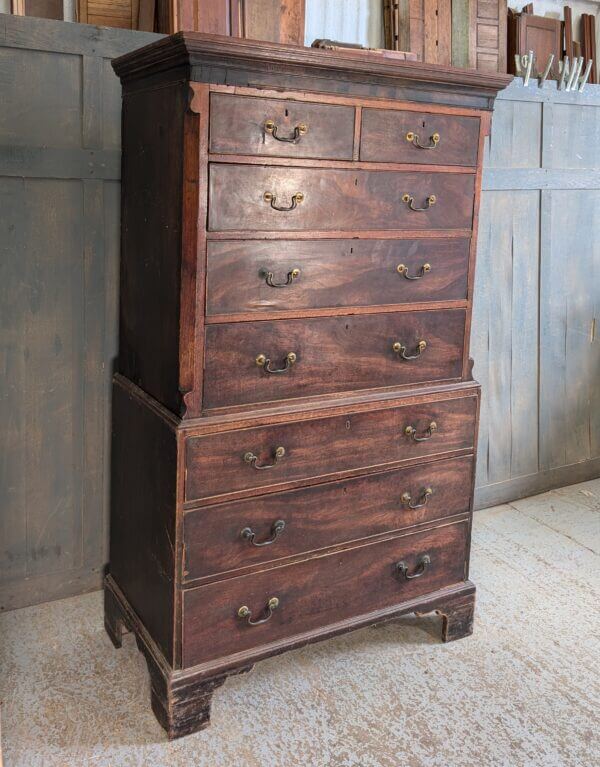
(294, 417)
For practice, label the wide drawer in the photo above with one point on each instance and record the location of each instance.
(217, 464)
(418, 137)
(227, 537)
(330, 355)
(280, 128)
(319, 592)
(246, 197)
(284, 275)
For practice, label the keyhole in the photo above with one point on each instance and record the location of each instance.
(351, 250)
(286, 113)
(423, 123)
(355, 182)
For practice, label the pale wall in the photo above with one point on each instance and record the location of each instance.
(359, 21)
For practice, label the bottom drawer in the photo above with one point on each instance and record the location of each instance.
(318, 592)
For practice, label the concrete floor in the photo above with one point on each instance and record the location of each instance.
(523, 691)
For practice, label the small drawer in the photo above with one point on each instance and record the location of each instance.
(227, 537)
(389, 135)
(254, 198)
(255, 362)
(218, 465)
(285, 275)
(280, 128)
(310, 595)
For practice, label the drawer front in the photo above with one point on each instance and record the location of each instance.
(332, 354)
(255, 126)
(284, 275)
(215, 463)
(319, 592)
(418, 137)
(336, 200)
(230, 536)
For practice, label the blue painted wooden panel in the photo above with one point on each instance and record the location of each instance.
(537, 299)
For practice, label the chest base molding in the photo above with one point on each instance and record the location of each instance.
(181, 699)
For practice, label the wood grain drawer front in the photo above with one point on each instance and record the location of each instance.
(280, 128)
(336, 200)
(319, 592)
(418, 137)
(284, 275)
(331, 354)
(230, 536)
(216, 465)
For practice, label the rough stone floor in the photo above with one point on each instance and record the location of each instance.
(523, 691)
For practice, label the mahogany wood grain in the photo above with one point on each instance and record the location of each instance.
(333, 273)
(336, 199)
(384, 131)
(318, 592)
(333, 354)
(323, 447)
(340, 98)
(321, 516)
(237, 126)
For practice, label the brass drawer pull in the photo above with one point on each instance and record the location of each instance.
(411, 432)
(265, 363)
(431, 200)
(276, 528)
(422, 565)
(252, 459)
(403, 270)
(400, 350)
(291, 276)
(406, 499)
(299, 131)
(246, 612)
(271, 198)
(413, 138)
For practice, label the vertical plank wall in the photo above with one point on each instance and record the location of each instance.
(537, 300)
(538, 290)
(59, 248)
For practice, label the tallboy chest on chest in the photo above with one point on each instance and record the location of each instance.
(294, 419)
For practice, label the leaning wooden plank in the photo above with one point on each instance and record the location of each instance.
(145, 19)
(387, 27)
(592, 26)
(568, 32)
(444, 33)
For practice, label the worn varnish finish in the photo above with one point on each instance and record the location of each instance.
(357, 462)
(336, 199)
(318, 591)
(351, 442)
(359, 350)
(341, 274)
(237, 126)
(322, 515)
(433, 139)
